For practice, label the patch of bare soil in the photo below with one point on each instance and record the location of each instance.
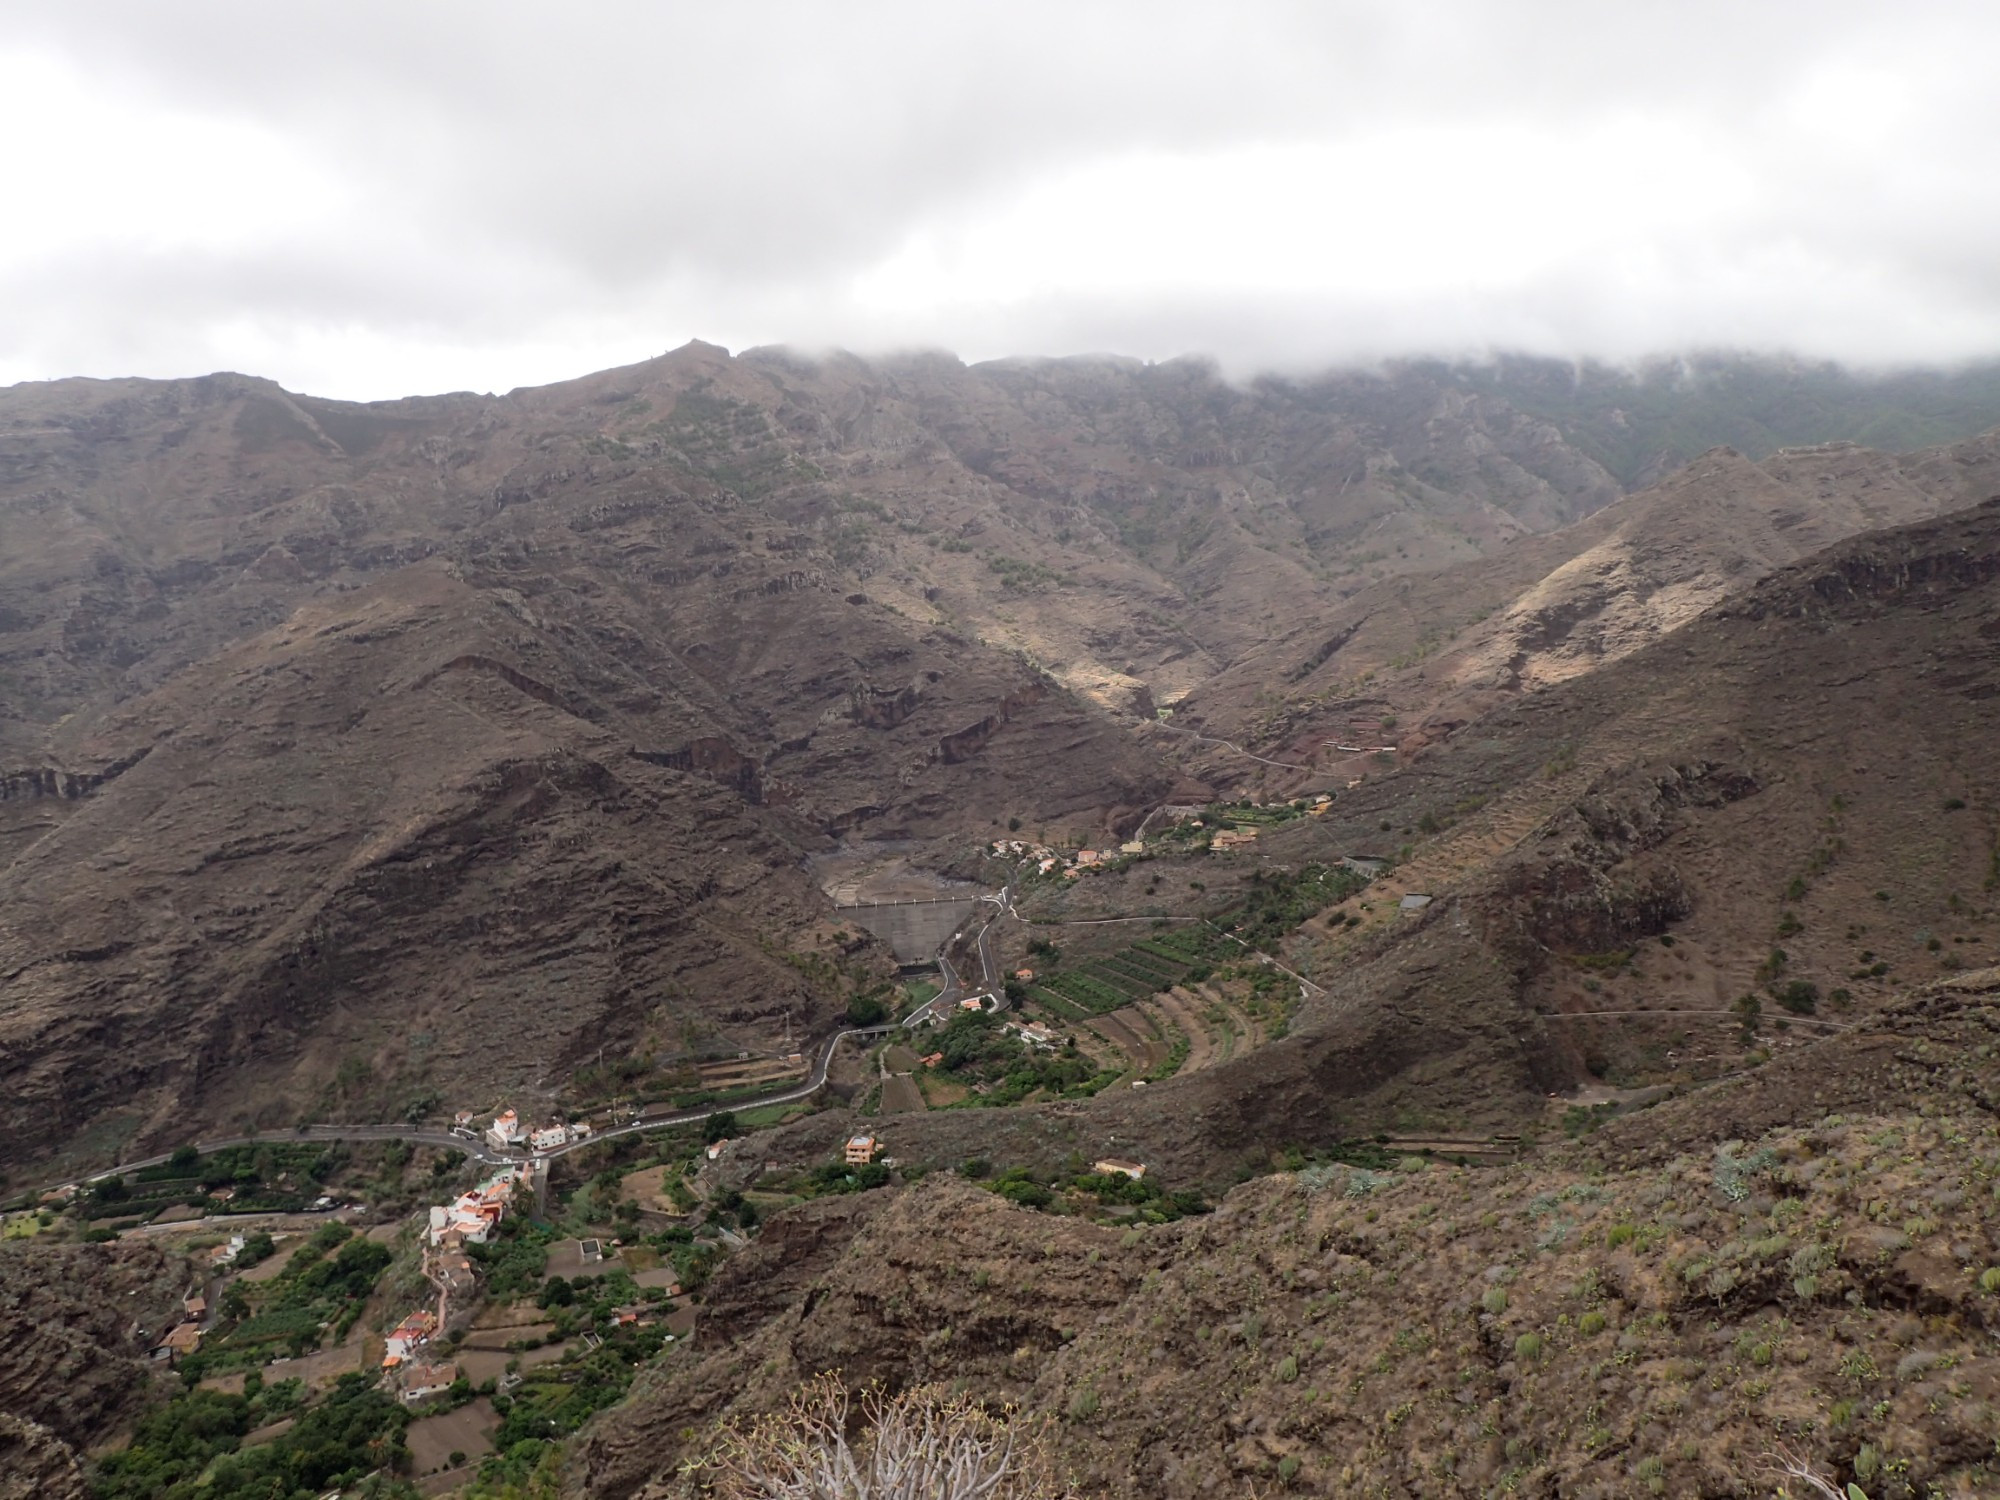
(273, 1264)
(468, 1429)
(1131, 1031)
(322, 1367)
(900, 1095)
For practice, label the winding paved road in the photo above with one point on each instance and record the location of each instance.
(955, 989)
(477, 1148)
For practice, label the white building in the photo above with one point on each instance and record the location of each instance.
(505, 1130)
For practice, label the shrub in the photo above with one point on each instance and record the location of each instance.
(1528, 1346)
(1083, 1404)
(922, 1442)
(1361, 1182)
(1590, 1324)
(1494, 1300)
(866, 1010)
(1989, 1280)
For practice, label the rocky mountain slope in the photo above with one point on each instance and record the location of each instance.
(354, 753)
(1787, 799)
(76, 1322)
(1414, 658)
(1795, 1261)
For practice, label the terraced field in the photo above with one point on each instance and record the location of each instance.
(1096, 987)
(1136, 1033)
(1208, 1027)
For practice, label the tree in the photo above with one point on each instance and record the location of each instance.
(866, 1010)
(558, 1293)
(719, 1126)
(184, 1161)
(924, 1444)
(1749, 1010)
(257, 1246)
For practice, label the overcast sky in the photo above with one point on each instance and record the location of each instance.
(370, 200)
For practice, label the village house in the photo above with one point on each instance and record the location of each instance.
(456, 1273)
(181, 1340)
(194, 1305)
(933, 1060)
(462, 1120)
(860, 1150)
(505, 1131)
(471, 1217)
(1034, 1033)
(1231, 838)
(1024, 975)
(549, 1137)
(408, 1336)
(421, 1382)
(716, 1148)
(1112, 1166)
(223, 1255)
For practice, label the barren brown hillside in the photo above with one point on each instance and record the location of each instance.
(354, 756)
(1786, 799)
(1411, 659)
(1794, 1262)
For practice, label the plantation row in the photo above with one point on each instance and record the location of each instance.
(1137, 972)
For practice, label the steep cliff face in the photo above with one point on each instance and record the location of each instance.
(76, 1322)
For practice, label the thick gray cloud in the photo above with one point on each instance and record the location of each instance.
(370, 198)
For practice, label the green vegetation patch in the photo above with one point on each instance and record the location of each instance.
(192, 1446)
(323, 1287)
(1002, 1069)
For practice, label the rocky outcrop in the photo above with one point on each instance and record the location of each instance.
(969, 741)
(945, 1284)
(76, 1322)
(716, 759)
(35, 1464)
(68, 786)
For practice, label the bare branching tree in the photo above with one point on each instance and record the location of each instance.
(1794, 1466)
(923, 1444)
